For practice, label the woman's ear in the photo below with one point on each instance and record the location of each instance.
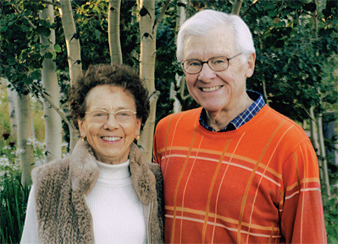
(138, 126)
(82, 126)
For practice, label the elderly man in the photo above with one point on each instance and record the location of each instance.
(235, 170)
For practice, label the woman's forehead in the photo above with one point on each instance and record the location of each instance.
(110, 98)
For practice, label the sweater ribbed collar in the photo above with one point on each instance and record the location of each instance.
(113, 171)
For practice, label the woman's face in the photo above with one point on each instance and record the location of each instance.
(110, 139)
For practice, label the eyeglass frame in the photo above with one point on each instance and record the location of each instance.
(114, 113)
(207, 62)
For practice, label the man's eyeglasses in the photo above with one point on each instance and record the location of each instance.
(194, 66)
(102, 116)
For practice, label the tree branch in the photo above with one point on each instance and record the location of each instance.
(20, 12)
(249, 8)
(47, 2)
(160, 17)
(63, 116)
(306, 111)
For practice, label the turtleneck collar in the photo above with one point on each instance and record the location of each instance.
(114, 171)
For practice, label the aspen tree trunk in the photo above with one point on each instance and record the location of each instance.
(320, 123)
(114, 31)
(265, 95)
(53, 125)
(26, 154)
(313, 134)
(181, 17)
(147, 70)
(73, 53)
(323, 153)
(237, 7)
(11, 106)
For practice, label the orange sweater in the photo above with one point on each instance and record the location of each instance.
(257, 184)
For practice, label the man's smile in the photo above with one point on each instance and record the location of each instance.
(210, 89)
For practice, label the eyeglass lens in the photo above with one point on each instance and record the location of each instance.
(101, 116)
(194, 66)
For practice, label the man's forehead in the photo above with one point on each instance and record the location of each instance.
(216, 42)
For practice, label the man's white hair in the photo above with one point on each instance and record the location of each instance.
(205, 21)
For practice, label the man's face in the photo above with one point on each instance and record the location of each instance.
(217, 91)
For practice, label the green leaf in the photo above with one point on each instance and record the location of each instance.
(57, 48)
(48, 55)
(39, 30)
(273, 13)
(3, 28)
(269, 5)
(36, 74)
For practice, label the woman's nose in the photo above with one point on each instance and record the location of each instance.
(111, 122)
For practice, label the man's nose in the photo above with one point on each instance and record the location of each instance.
(206, 73)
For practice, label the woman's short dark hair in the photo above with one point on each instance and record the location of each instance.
(116, 75)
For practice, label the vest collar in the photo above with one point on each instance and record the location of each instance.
(84, 171)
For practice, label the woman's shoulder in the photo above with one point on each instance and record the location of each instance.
(56, 169)
(156, 169)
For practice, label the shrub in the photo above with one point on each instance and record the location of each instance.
(13, 197)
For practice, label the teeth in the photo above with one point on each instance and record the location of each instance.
(209, 89)
(114, 138)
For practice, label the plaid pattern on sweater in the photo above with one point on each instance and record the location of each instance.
(256, 184)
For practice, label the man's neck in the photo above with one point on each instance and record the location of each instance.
(219, 120)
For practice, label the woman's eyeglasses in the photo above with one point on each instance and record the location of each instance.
(102, 116)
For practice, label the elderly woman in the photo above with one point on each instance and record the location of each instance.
(105, 192)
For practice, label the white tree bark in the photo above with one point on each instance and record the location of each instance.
(73, 51)
(323, 153)
(177, 105)
(313, 134)
(181, 17)
(147, 70)
(11, 106)
(53, 125)
(25, 149)
(114, 31)
(320, 125)
(237, 7)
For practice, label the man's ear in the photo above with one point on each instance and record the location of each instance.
(251, 65)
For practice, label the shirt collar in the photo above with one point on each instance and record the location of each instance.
(242, 118)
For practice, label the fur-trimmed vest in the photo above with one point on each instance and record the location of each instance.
(61, 186)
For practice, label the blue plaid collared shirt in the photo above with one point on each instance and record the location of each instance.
(241, 119)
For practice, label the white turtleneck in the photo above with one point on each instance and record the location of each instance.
(117, 211)
(115, 207)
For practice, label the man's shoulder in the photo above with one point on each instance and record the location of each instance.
(185, 115)
(278, 120)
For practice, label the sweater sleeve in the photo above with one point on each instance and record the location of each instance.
(302, 217)
(30, 230)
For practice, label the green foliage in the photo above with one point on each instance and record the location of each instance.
(13, 196)
(330, 205)
(91, 21)
(13, 207)
(21, 61)
(5, 126)
(298, 65)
